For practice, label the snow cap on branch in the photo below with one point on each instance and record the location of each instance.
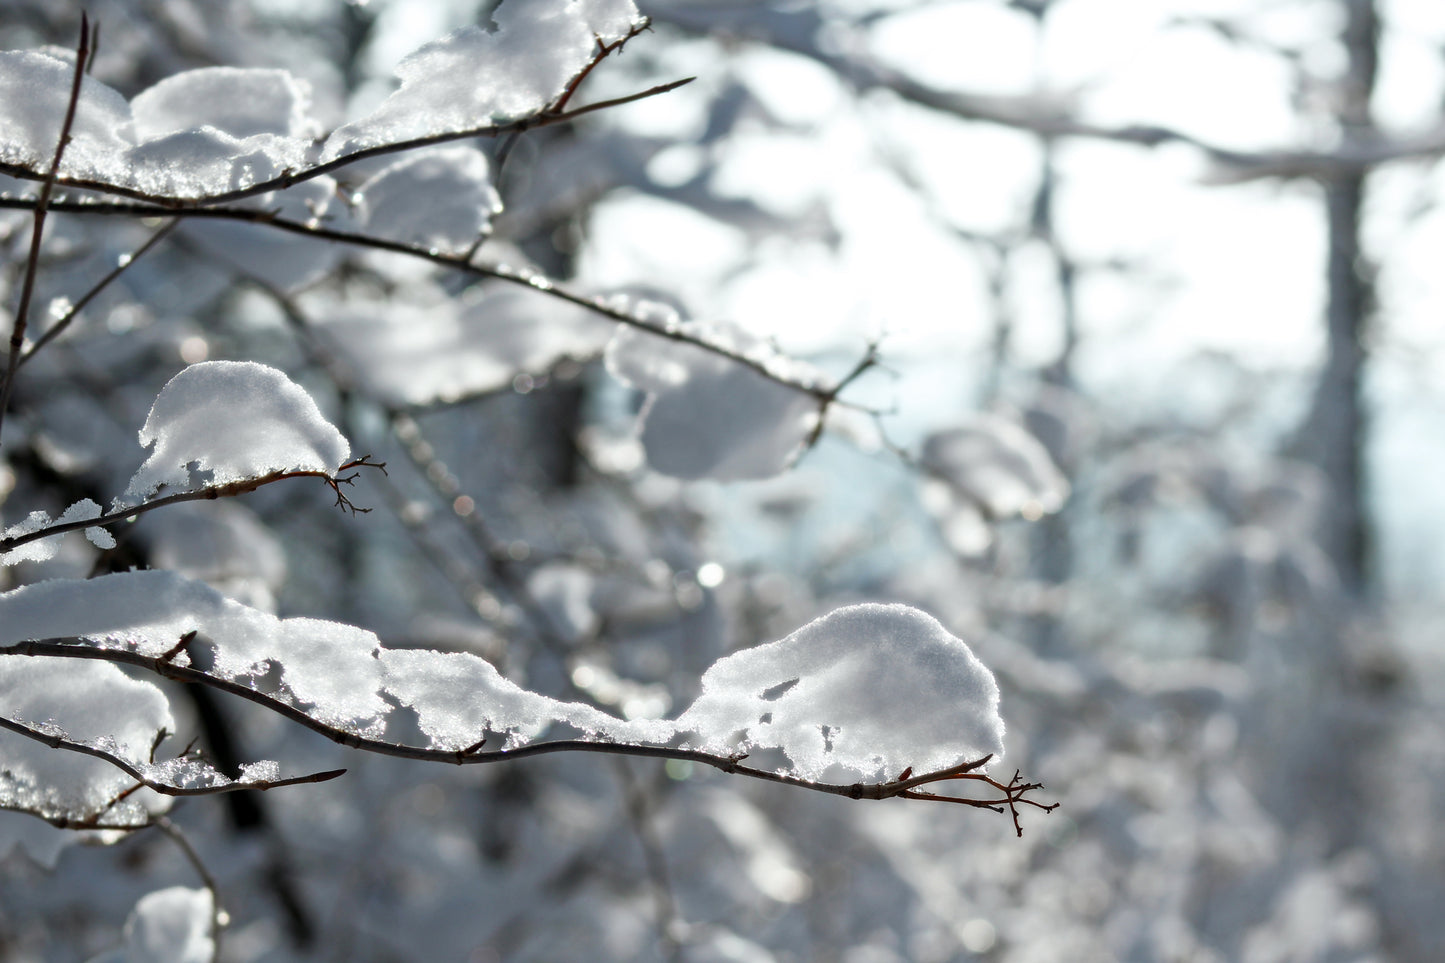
(238, 420)
(472, 78)
(871, 688)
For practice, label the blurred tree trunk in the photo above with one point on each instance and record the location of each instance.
(1335, 433)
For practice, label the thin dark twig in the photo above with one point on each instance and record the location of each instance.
(53, 741)
(1013, 792)
(174, 205)
(56, 329)
(639, 812)
(32, 262)
(231, 489)
(218, 912)
(824, 394)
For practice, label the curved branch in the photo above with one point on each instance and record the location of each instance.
(824, 394)
(242, 487)
(53, 741)
(1012, 793)
(176, 205)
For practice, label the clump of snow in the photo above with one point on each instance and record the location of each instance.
(459, 698)
(40, 550)
(708, 416)
(328, 665)
(34, 91)
(472, 78)
(445, 351)
(44, 549)
(441, 199)
(872, 688)
(237, 420)
(85, 702)
(869, 688)
(239, 101)
(280, 258)
(168, 926)
(984, 469)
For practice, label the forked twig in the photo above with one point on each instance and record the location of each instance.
(231, 489)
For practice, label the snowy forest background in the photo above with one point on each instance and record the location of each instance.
(1137, 306)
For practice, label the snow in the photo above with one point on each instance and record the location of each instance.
(870, 688)
(888, 683)
(986, 468)
(171, 925)
(706, 415)
(327, 665)
(45, 548)
(444, 350)
(237, 420)
(34, 91)
(472, 78)
(85, 702)
(441, 199)
(241, 102)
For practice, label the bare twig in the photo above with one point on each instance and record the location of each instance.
(823, 393)
(53, 741)
(219, 916)
(32, 262)
(173, 205)
(242, 487)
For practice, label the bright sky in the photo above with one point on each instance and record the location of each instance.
(1237, 269)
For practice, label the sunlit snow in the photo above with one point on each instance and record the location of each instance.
(237, 420)
(872, 688)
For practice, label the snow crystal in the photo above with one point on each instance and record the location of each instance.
(442, 199)
(238, 420)
(873, 688)
(471, 78)
(708, 416)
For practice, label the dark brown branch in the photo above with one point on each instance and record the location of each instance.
(825, 395)
(1012, 792)
(174, 205)
(242, 487)
(53, 741)
(32, 262)
(218, 912)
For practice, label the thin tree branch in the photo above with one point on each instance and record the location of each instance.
(1012, 793)
(174, 205)
(32, 262)
(219, 916)
(823, 393)
(55, 330)
(53, 741)
(242, 487)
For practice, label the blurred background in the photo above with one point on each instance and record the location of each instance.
(1155, 291)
